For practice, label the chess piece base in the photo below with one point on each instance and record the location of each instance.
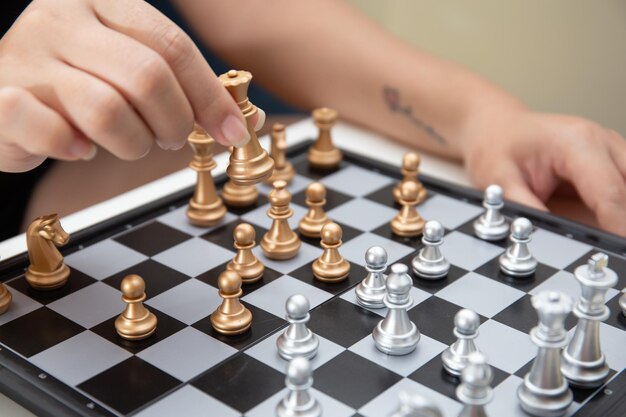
(312, 227)
(231, 324)
(324, 159)
(306, 347)
(285, 173)
(239, 196)
(206, 215)
(407, 229)
(490, 232)
(534, 402)
(394, 344)
(427, 269)
(281, 250)
(584, 374)
(335, 272)
(421, 196)
(370, 297)
(517, 268)
(310, 410)
(136, 329)
(5, 298)
(454, 364)
(252, 171)
(45, 281)
(249, 273)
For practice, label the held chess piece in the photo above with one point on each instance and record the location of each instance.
(410, 171)
(136, 322)
(408, 223)
(414, 405)
(245, 263)
(231, 317)
(312, 223)
(297, 339)
(280, 242)
(492, 225)
(47, 270)
(283, 168)
(583, 363)
(396, 334)
(5, 298)
(544, 391)
(430, 262)
(205, 207)
(235, 195)
(299, 402)
(323, 154)
(475, 391)
(517, 261)
(456, 357)
(331, 266)
(249, 164)
(371, 290)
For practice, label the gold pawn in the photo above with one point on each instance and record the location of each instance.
(410, 170)
(323, 154)
(408, 223)
(231, 317)
(248, 266)
(283, 169)
(331, 266)
(136, 322)
(280, 242)
(312, 223)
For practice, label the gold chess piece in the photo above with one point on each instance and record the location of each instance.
(245, 263)
(47, 270)
(410, 170)
(312, 223)
(323, 154)
(249, 164)
(5, 298)
(408, 223)
(283, 169)
(239, 195)
(280, 242)
(231, 317)
(136, 322)
(205, 207)
(331, 266)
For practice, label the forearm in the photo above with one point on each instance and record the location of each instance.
(325, 53)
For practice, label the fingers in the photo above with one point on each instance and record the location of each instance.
(617, 147)
(517, 189)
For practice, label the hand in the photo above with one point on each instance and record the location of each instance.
(117, 73)
(532, 155)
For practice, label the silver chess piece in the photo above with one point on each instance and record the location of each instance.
(517, 261)
(475, 389)
(544, 391)
(492, 225)
(414, 405)
(429, 263)
(583, 363)
(396, 334)
(622, 301)
(298, 402)
(371, 290)
(297, 339)
(456, 357)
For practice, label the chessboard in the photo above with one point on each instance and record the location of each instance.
(60, 354)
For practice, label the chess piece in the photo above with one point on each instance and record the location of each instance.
(297, 339)
(280, 242)
(205, 207)
(323, 154)
(456, 357)
(299, 402)
(517, 261)
(331, 266)
(249, 164)
(136, 322)
(245, 263)
(583, 364)
(475, 391)
(410, 171)
(414, 405)
(544, 391)
(408, 223)
(47, 269)
(283, 168)
(313, 221)
(396, 334)
(492, 225)
(430, 263)
(5, 298)
(371, 290)
(231, 317)
(622, 302)
(239, 195)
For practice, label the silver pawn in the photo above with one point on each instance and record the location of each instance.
(396, 334)
(475, 391)
(544, 391)
(492, 225)
(299, 402)
(429, 262)
(583, 363)
(456, 357)
(622, 302)
(371, 290)
(297, 339)
(414, 405)
(517, 261)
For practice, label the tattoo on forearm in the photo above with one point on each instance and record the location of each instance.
(392, 100)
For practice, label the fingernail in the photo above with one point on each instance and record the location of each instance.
(93, 151)
(235, 131)
(81, 148)
(260, 121)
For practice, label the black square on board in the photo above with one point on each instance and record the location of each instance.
(240, 211)
(492, 270)
(129, 385)
(616, 263)
(385, 195)
(305, 274)
(353, 379)
(223, 236)
(348, 233)
(302, 167)
(523, 317)
(158, 277)
(333, 199)
(75, 282)
(342, 322)
(152, 238)
(210, 277)
(241, 382)
(384, 230)
(37, 331)
(616, 318)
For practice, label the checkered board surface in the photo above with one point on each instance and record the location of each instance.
(67, 337)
